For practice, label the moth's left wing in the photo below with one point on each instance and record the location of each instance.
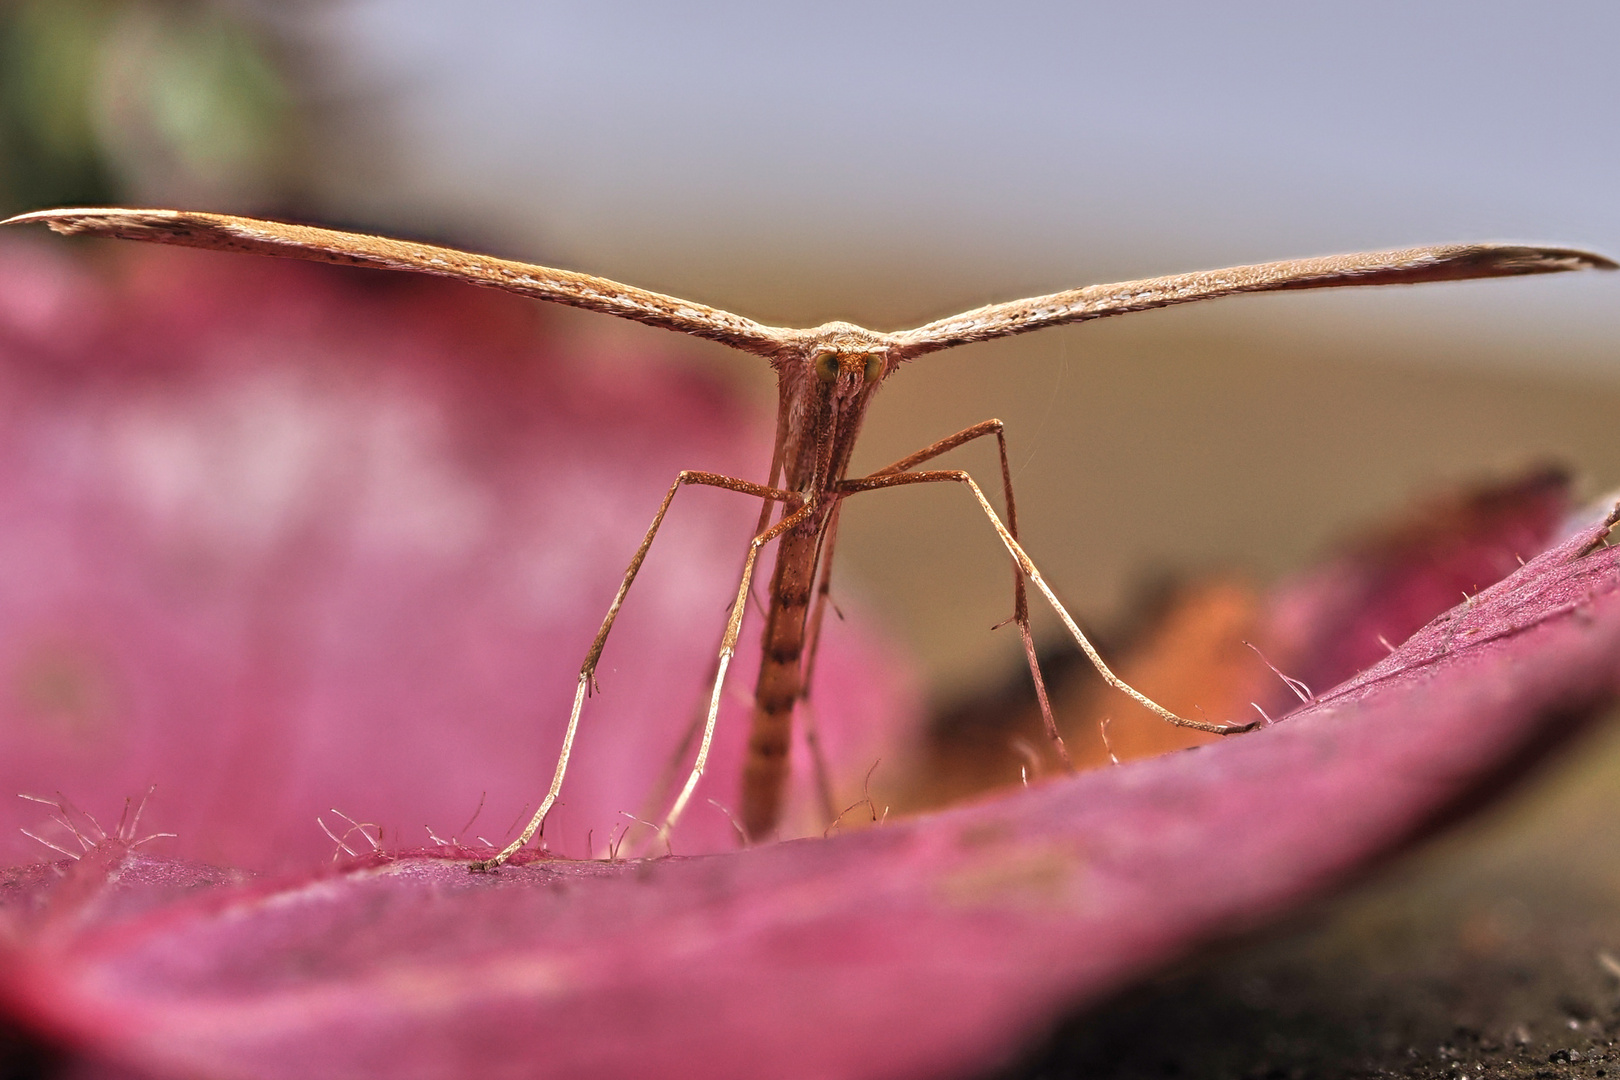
(1446, 263)
(223, 232)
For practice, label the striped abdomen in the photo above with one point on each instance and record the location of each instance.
(779, 687)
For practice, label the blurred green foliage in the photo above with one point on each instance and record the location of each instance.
(48, 151)
(104, 101)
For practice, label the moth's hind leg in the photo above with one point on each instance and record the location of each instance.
(1020, 596)
(956, 476)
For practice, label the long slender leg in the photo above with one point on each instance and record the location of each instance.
(587, 670)
(1020, 600)
(874, 483)
(728, 647)
(666, 779)
(1020, 597)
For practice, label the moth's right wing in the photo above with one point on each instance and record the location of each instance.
(1453, 262)
(223, 232)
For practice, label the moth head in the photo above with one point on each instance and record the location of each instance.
(847, 355)
(868, 367)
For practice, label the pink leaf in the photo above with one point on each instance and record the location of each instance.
(923, 947)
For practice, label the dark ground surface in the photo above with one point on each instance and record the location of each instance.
(1491, 951)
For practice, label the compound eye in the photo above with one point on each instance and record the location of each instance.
(827, 367)
(874, 367)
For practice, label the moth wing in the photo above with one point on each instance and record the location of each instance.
(1453, 262)
(224, 232)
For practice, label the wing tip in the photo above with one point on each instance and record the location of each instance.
(1591, 260)
(70, 221)
(1536, 259)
